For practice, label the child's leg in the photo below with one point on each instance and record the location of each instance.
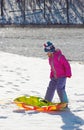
(50, 90)
(61, 89)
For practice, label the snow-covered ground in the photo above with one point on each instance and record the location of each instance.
(21, 75)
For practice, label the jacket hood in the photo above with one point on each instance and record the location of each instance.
(58, 52)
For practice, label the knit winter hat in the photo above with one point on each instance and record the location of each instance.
(49, 47)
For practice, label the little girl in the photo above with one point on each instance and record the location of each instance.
(60, 70)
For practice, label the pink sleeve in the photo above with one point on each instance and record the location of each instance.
(51, 75)
(67, 66)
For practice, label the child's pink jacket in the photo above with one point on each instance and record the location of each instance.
(60, 66)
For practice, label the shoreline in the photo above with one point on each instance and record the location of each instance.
(43, 26)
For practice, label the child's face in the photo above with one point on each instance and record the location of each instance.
(50, 54)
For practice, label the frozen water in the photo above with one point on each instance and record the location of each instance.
(29, 41)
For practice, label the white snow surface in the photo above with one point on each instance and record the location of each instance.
(21, 75)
